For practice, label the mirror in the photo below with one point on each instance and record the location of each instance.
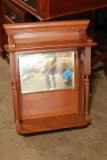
(46, 71)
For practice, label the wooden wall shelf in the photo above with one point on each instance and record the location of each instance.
(52, 92)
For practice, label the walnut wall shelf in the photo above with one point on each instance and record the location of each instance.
(50, 68)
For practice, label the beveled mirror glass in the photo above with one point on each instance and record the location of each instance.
(46, 71)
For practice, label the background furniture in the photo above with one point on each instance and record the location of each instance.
(101, 39)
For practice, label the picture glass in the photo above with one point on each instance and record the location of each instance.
(46, 71)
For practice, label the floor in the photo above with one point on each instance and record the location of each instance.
(89, 143)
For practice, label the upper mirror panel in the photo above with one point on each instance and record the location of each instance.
(46, 71)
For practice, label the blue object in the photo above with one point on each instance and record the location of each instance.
(67, 74)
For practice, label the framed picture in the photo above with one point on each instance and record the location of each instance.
(46, 71)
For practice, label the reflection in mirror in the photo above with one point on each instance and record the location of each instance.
(46, 71)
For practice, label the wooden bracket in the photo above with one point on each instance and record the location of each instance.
(11, 41)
